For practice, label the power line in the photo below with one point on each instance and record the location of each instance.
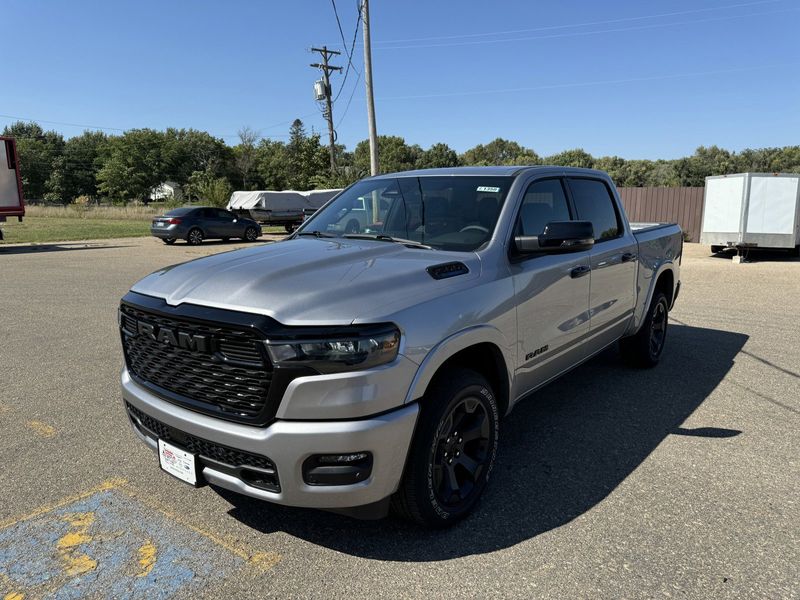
(352, 47)
(584, 24)
(585, 33)
(349, 100)
(591, 83)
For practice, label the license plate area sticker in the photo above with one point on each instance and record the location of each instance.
(178, 462)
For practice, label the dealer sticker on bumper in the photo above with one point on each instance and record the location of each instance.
(177, 462)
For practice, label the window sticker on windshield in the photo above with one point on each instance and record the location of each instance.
(486, 188)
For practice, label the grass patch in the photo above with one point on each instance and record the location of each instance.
(63, 224)
(63, 229)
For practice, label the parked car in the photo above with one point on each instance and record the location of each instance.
(195, 224)
(348, 371)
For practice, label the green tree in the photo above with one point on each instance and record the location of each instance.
(37, 150)
(244, 154)
(209, 189)
(571, 158)
(188, 150)
(133, 165)
(438, 156)
(74, 173)
(306, 158)
(272, 164)
(500, 152)
(394, 155)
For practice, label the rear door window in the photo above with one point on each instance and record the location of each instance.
(593, 202)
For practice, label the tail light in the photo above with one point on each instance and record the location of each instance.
(174, 221)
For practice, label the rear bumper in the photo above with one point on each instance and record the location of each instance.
(172, 232)
(287, 444)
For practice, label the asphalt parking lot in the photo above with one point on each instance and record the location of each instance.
(682, 481)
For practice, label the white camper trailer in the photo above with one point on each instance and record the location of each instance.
(285, 208)
(752, 210)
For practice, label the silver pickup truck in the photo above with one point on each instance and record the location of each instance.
(351, 371)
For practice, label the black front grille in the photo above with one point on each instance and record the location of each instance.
(205, 449)
(231, 379)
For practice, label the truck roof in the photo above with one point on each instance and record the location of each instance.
(508, 171)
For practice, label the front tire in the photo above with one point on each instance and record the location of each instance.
(250, 234)
(195, 236)
(717, 249)
(453, 450)
(644, 349)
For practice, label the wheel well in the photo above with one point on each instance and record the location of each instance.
(666, 284)
(486, 359)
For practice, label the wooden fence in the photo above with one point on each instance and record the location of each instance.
(682, 205)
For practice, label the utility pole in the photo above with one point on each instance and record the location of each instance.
(373, 131)
(326, 94)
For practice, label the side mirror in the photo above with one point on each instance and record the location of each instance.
(558, 237)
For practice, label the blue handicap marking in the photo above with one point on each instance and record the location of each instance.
(107, 545)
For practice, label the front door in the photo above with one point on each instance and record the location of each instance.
(552, 292)
(613, 261)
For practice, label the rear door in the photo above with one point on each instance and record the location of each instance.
(229, 225)
(552, 291)
(613, 260)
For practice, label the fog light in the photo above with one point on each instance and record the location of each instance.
(337, 469)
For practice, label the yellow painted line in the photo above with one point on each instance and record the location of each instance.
(261, 560)
(109, 484)
(43, 429)
(147, 558)
(75, 562)
(14, 596)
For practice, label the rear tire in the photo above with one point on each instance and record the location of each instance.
(717, 249)
(290, 228)
(453, 450)
(195, 236)
(225, 240)
(644, 349)
(169, 241)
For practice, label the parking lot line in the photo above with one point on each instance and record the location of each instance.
(112, 541)
(263, 560)
(108, 484)
(42, 429)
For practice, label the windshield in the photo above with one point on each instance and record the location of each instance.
(447, 213)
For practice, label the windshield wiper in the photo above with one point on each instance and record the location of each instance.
(382, 237)
(317, 234)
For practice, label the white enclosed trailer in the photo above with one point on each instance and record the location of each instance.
(752, 210)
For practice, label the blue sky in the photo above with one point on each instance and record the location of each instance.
(639, 79)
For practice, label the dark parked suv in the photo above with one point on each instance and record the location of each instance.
(195, 224)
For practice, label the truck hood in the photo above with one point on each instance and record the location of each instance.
(310, 281)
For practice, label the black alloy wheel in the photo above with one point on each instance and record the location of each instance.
(461, 452)
(195, 237)
(658, 328)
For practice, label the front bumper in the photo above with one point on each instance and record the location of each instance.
(288, 444)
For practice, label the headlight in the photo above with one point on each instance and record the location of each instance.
(341, 349)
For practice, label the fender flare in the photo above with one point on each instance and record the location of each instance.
(642, 308)
(447, 348)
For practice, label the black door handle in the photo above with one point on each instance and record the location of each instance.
(579, 271)
(628, 257)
